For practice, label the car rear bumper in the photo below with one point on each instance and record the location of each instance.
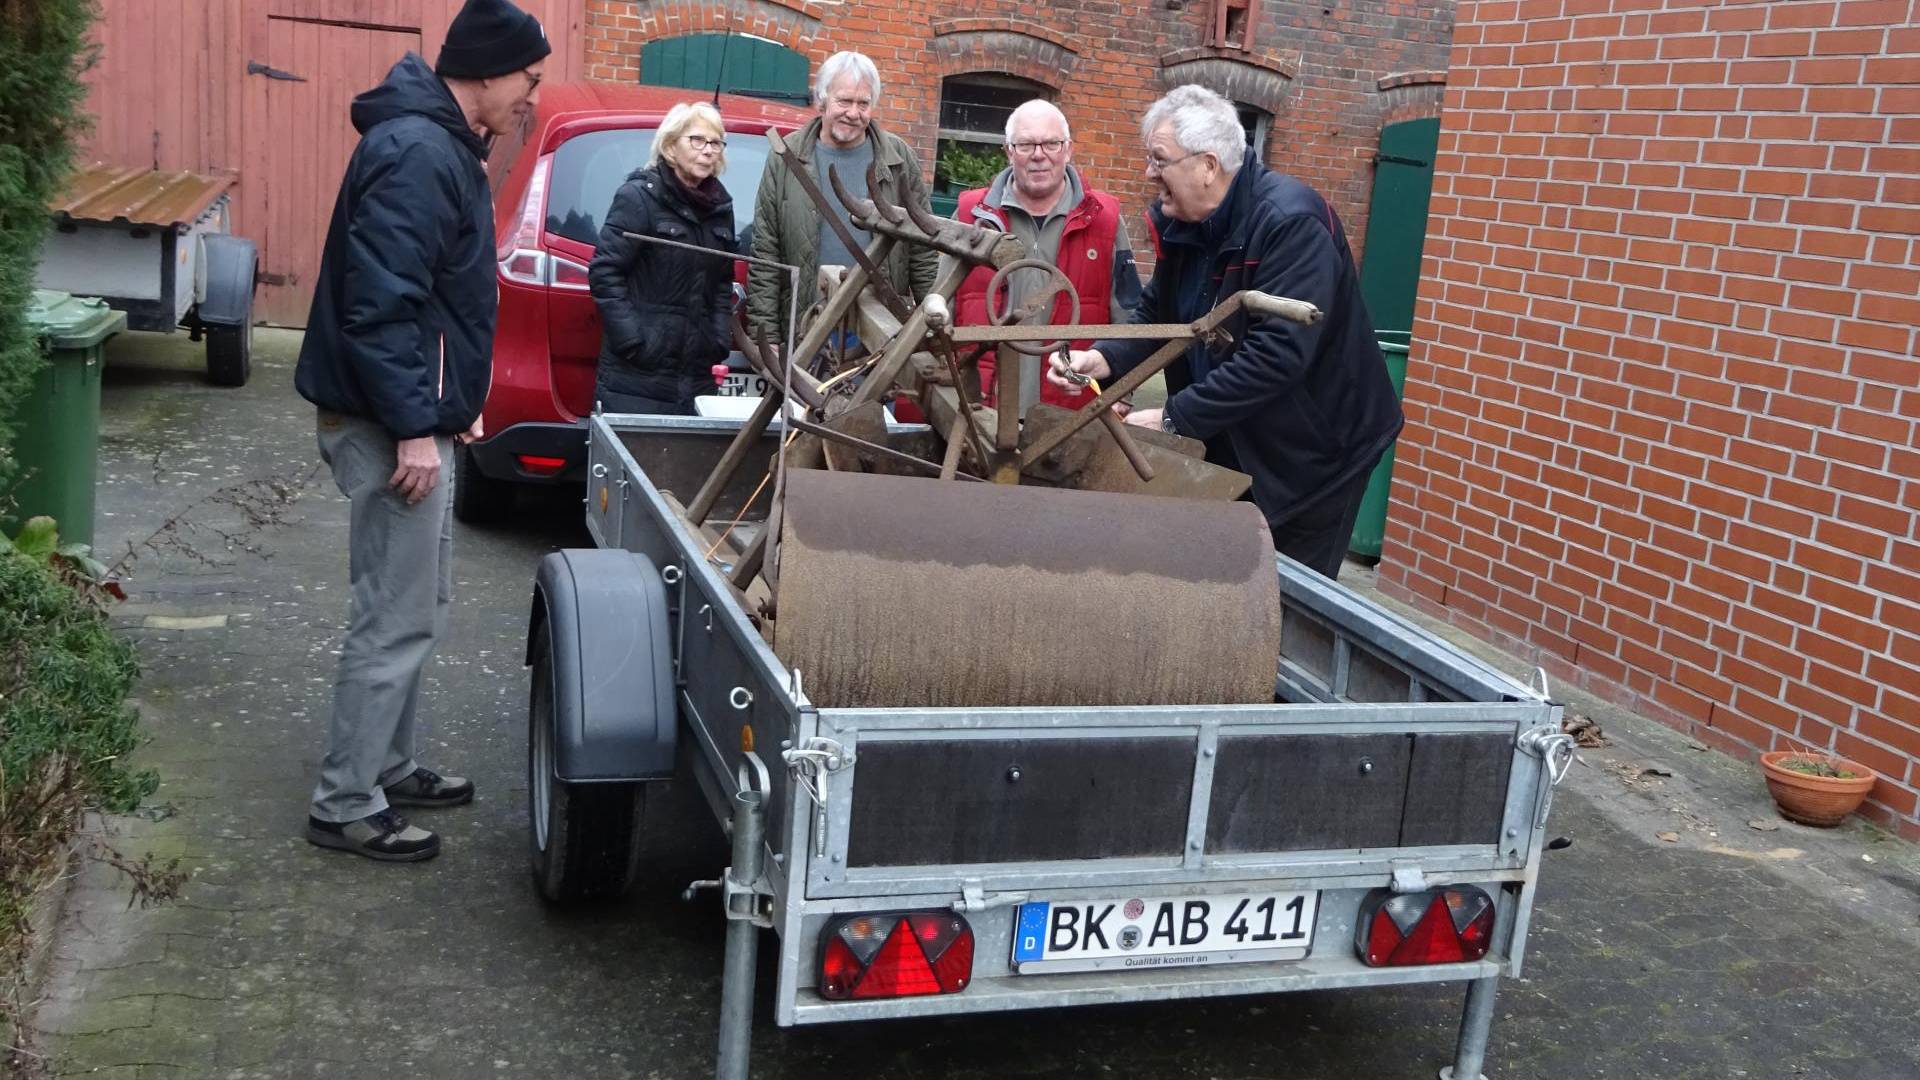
(499, 456)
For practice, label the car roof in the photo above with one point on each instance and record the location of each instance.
(579, 100)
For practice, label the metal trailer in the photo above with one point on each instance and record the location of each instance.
(1389, 765)
(157, 246)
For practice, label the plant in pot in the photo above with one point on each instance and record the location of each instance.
(1815, 788)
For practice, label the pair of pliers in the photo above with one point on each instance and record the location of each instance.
(1064, 368)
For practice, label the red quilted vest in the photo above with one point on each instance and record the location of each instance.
(1086, 257)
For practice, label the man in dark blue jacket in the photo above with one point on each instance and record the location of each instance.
(1305, 410)
(398, 357)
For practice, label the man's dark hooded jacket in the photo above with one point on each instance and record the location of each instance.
(1301, 409)
(401, 329)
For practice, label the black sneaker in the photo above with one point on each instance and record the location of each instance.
(385, 836)
(428, 788)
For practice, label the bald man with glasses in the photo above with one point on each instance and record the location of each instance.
(1042, 199)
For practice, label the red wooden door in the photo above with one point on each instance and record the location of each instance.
(317, 69)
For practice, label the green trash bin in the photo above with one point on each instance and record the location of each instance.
(57, 437)
(1370, 529)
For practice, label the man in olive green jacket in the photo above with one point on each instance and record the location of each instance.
(788, 228)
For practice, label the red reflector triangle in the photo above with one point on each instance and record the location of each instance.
(1433, 941)
(899, 970)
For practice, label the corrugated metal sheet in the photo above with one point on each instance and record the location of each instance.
(114, 193)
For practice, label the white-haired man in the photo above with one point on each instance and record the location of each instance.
(1042, 199)
(788, 228)
(1304, 410)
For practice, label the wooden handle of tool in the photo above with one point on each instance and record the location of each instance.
(1117, 428)
(1280, 307)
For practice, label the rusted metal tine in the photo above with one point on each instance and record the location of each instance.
(980, 333)
(855, 441)
(881, 287)
(887, 210)
(906, 343)
(974, 432)
(1281, 307)
(923, 218)
(760, 355)
(730, 462)
(863, 209)
(750, 560)
(1118, 429)
(835, 309)
(956, 442)
(743, 440)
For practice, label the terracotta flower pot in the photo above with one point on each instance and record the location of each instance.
(1824, 801)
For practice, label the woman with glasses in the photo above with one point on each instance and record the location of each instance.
(664, 309)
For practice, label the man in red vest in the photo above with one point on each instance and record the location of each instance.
(1041, 198)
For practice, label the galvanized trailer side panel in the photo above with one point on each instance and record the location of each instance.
(726, 678)
(1392, 755)
(967, 757)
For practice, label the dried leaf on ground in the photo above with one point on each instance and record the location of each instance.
(1669, 837)
(1585, 731)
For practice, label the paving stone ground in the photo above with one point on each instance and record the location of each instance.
(1728, 952)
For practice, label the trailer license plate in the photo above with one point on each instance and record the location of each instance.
(1164, 931)
(742, 384)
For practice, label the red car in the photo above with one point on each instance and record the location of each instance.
(551, 187)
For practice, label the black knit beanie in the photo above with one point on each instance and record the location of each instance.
(490, 38)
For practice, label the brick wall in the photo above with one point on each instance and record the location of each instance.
(1331, 74)
(1662, 409)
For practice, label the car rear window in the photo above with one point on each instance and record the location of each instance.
(589, 168)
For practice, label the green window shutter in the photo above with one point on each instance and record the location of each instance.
(1397, 222)
(754, 67)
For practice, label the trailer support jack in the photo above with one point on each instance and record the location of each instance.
(743, 937)
(1475, 1023)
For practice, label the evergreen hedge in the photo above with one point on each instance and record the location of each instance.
(43, 48)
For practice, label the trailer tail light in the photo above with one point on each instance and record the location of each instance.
(899, 955)
(1436, 926)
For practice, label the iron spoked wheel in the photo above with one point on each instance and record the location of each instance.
(583, 839)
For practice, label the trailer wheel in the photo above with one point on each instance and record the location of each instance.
(229, 355)
(584, 839)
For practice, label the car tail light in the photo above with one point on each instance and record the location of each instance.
(521, 260)
(564, 273)
(1436, 926)
(539, 465)
(901, 955)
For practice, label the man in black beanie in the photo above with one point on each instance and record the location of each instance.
(398, 357)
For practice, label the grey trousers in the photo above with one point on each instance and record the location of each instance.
(400, 563)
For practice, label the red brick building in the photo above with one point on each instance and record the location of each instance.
(1664, 396)
(1318, 80)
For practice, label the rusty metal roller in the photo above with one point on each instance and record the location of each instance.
(906, 592)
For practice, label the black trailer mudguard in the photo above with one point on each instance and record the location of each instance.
(230, 263)
(613, 710)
